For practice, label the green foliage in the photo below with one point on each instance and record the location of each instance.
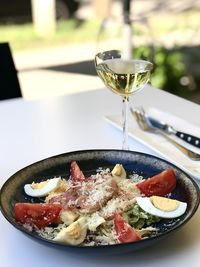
(169, 68)
(67, 32)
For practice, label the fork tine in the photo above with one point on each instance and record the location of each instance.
(144, 124)
(140, 118)
(134, 112)
(137, 111)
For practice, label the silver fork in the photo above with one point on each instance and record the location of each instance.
(142, 121)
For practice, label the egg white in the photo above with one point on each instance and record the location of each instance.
(74, 234)
(146, 204)
(43, 191)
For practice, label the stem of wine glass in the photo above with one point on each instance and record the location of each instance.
(125, 110)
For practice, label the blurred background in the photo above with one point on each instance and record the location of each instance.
(53, 51)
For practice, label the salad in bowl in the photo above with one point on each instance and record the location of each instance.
(98, 199)
(108, 207)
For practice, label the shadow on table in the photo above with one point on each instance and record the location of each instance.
(82, 67)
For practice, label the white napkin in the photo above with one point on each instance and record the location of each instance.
(160, 144)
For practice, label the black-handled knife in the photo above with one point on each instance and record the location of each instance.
(190, 139)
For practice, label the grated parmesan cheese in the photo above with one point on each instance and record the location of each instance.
(95, 198)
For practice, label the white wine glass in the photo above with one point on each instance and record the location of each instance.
(123, 77)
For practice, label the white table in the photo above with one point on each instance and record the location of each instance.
(33, 130)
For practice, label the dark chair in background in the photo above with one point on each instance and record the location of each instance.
(9, 83)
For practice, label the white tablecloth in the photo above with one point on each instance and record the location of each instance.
(33, 130)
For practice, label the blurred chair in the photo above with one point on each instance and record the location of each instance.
(9, 83)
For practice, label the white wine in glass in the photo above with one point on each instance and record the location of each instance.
(124, 77)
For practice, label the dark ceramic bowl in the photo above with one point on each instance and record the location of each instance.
(146, 165)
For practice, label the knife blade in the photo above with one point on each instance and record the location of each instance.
(168, 129)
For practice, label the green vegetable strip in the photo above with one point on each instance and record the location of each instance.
(138, 218)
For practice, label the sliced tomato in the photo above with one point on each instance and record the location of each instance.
(125, 233)
(76, 174)
(159, 185)
(37, 214)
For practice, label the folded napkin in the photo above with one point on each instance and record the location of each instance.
(160, 144)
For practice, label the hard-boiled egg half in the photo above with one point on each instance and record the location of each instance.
(162, 207)
(74, 234)
(43, 188)
(119, 173)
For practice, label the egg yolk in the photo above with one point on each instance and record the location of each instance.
(39, 185)
(117, 170)
(165, 204)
